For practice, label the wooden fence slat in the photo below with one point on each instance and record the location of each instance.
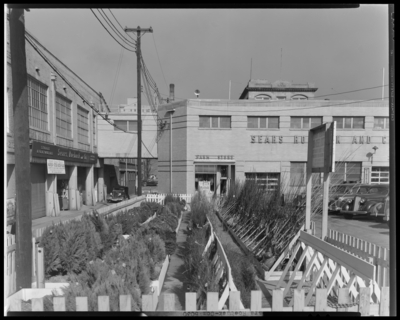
(320, 300)
(293, 255)
(190, 301)
(212, 301)
(255, 300)
(37, 304)
(385, 271)
(59, 303)
(40, 267)
(384, 304)
(81, 303)
(298, 298)
(277, 300)
(147, 302)
(15, 305)
(169, 302)
(315, 280)
(125, 302)
(299, 263)
(104, 303)
(364, 301)
(234, 300)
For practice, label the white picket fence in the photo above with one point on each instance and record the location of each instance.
(159, 198)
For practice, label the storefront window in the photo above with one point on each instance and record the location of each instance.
(265, 180)
(380, 175)
(381, 123)
(346, 172)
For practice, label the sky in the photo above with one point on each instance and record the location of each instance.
(339, 50)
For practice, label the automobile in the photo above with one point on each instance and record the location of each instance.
(372, 201)
(118, 194)
(152, 181)
(338, 193)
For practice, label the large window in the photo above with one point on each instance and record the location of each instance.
(349, 122)
(262, 97)
(37, 104)
(63, 116)
(263, 122)
(380, 175)
(125, 125)
(266, 181)
(305, 122)
(381, 122)
(346, 172)
(298, 175)
(214, 121)
(83, 125)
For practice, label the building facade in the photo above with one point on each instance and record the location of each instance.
(215, 142)
(61, 127)
(118, 144)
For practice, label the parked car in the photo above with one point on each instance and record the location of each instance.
(373, 201)
(152, 181)
(340, 192)
(118, 194)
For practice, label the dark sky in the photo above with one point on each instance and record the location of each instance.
(337, 49)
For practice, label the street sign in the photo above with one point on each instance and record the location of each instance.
(321, 147)
(321, 158)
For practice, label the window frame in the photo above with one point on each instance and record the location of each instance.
(83, 138)
(212, 120)
(335, 118)
(302, 118)
(267, 122)
(385, 123)
(40, 96)
(62, 124)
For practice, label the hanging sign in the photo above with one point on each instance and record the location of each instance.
(204, 186)
(55, 166)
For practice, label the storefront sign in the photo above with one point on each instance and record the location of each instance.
(218, 157)
(55, 166)
(204, 186)
(304, 139)
(44, 150)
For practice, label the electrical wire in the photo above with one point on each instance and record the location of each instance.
(110, 33)
(118, 33)
(334, 94)
(297, 109)
(122, 27)
(116, 76)
(159, 60)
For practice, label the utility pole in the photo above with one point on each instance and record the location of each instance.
(138, 30)
(23, 216)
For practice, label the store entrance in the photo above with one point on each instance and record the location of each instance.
(213, 178)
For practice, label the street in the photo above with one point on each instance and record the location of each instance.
(362, 228)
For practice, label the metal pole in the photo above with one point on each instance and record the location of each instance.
(139, 101)
(383, 83)
(170, 151)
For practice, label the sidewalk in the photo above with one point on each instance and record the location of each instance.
(66, 215)
(174, 278)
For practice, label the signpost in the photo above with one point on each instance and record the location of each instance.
(321, 158)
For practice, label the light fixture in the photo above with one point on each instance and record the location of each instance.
(372, 156)
(375, 148)
(197, 93)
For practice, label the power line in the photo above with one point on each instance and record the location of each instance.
(297, 109)
(122, 27)
(109, 22)
(116, 76)
(334, 94)
(110, 33)
(159, 60)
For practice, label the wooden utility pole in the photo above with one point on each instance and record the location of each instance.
(23, 251)
(138, 30)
